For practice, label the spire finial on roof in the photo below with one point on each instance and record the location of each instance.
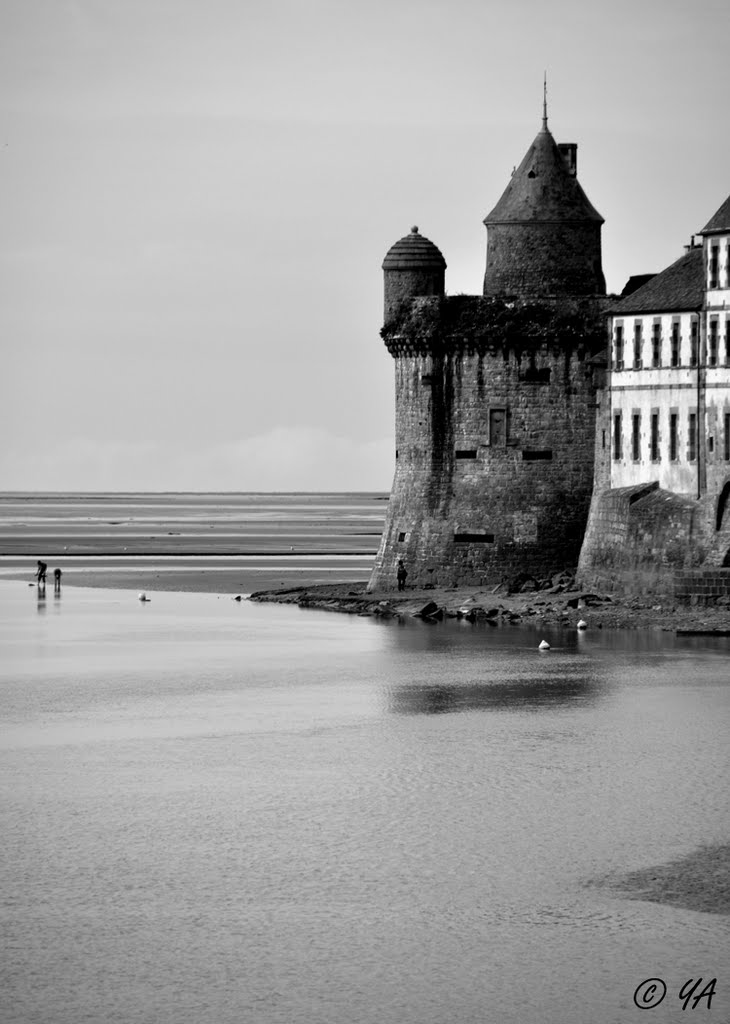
(544, 102)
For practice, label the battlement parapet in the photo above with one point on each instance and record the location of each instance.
(479, 325)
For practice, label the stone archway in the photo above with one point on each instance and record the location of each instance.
(721, 504)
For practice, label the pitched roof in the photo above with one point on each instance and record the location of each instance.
(543, 189)
(720, 221)
(413, 252)
(680, 287)
(635, 282)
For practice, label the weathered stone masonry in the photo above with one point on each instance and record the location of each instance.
(494, 439)
(495, 394)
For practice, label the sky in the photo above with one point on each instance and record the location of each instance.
(196, 197)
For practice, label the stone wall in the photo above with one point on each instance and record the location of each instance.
(639, 537)
(544, 259)
(400, 286)
(494, 459)
(702, 586)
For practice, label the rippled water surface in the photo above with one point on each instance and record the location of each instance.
(224, 812)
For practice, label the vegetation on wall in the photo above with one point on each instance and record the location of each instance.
(475, 323)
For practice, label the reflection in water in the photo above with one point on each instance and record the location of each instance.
(529, 695)
(41, 595)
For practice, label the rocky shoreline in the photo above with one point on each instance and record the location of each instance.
(561, 604)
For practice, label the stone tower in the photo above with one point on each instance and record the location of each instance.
(494, 394)
(413, 267)
(544, 236)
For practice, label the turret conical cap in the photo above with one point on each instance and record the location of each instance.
(543, 189)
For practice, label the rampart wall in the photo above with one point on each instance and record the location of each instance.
(494, 452)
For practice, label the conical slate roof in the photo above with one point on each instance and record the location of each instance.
(413, 252)
(720, 221)
(543, 189)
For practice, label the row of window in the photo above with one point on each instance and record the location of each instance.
(655, 437)
(714, 356)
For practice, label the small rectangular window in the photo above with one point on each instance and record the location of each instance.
(617, 452)
(714, 275)
(654, 441)
(474, 538)
(426, 378)
(636, 436)
(712, 339)
(537, 455)
(465, 453)
(675, 343)
(402, 537)
(692, 438)
(497, 427)
(673, 436)
(637, 345)
(656, 344)
(618, 348)
(694, 354)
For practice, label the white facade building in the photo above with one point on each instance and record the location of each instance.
(669, 379)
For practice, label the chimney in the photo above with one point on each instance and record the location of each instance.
(569, 153)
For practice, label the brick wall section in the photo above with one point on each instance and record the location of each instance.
(701, 586)
(535, 511)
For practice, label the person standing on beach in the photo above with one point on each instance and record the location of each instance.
(41, 572)
(401, 574)
(57, 580)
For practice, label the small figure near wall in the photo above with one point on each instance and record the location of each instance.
(401, 574)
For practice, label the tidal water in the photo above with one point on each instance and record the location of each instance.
(224, 812)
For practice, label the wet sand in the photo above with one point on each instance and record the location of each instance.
(224, 543)
(699, 881)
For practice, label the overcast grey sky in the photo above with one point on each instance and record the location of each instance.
(197, 196)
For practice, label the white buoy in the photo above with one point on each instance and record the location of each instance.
(543, 646)
(142, 597)
(582, 624)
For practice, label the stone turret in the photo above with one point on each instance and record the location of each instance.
(412, 268)
(544, 236)
(494, 394)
